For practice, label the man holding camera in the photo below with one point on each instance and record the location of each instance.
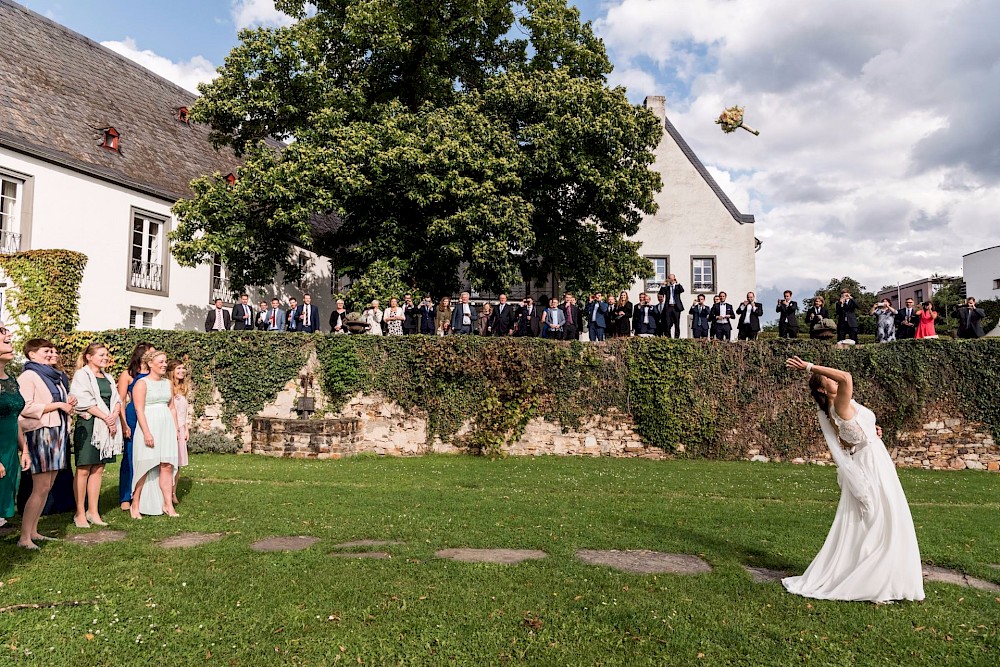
(970, 319)
(847, 319)
(722, 315)
(597, 316)
(788, 323)
(673, 307)
(699, 318)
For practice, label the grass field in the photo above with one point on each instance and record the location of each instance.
(223, 604)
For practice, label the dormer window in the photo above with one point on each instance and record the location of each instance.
(182, 115)
(230, 178)
(110, 140)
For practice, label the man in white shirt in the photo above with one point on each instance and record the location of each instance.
(218, 319)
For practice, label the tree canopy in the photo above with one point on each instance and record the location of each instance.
(442, 136)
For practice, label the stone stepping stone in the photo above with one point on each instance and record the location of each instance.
(285, 543)
(645, 562)
(190, 540)
(762, 575)
(503, 556)
(946, 576)
(97, 537)
(360, 554)
(365, 543)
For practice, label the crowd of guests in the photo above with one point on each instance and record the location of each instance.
(601, 317)
(45, 415)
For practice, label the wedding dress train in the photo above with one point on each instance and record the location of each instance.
(871, 551)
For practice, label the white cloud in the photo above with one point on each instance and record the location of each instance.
(185, 74)
(875, 159)
(248, 13)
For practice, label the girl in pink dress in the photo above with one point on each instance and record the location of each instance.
(927, 316)
(180, 387)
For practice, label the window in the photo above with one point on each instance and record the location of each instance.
(661, 268)
(230, 178)
(996, 283)
(10, 214)
(220, 281)
(918, 295)
(182, 115)
(703, 274)
(146, 257)
(141, 318)
(110, 140)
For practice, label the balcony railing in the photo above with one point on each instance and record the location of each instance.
(146, 275)
(10, 242)
(221, 290)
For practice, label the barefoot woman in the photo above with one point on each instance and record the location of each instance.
(871, 551)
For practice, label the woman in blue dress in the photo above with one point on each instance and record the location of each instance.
(126, 382)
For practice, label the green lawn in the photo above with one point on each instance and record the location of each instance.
(222, 604)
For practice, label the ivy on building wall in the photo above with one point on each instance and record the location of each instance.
(696, 398)
(45, 297)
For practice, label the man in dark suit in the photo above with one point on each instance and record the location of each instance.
(529, 319)
(847, 319)
(410, 324)
(659, 315)
(643, 319)
(463, 315)
(970, 320)
(243, 317)
(292, 315)
(574, 318)
(815, 315)
(218, 318)
(699, 318)
(722, 314)
(907, 320)
(788, 323)
(673, 306)
(426, 313)
(502, 321)
(750, 312)
(597, 317)
(308, 315)
(262, 316)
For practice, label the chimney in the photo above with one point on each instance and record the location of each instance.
(658, 105)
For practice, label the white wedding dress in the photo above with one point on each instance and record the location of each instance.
(871, 551)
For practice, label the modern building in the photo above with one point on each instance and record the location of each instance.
(981, 272)
(918, 290)
(94, 151)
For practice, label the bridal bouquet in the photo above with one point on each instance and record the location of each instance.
(732, 118)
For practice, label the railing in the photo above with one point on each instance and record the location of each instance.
(146, 275)
(10, 242)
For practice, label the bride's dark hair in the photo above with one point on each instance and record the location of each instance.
(821, 398)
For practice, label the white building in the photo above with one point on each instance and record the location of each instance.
(697, 234)
(981, 271)
(94, 151)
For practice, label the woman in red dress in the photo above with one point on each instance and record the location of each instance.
(927, 317)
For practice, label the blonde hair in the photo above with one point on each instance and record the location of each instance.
(88, 351)
(151, 353)
(177, 387)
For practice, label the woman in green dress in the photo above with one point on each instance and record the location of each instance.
(11, 438)
(97, 437)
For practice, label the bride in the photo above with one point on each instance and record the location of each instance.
(871, 551)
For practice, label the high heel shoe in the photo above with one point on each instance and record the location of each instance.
(96, 520)
(78, 524)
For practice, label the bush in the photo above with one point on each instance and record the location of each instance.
(213, 442)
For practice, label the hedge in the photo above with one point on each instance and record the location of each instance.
(715, 399)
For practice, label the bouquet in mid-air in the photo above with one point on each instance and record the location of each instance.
(731, 119)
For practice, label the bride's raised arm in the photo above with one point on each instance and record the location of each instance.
(844, 380)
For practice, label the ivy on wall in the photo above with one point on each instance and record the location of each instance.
(716, 399)
(45, 298)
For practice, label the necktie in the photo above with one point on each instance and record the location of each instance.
(273, 315)
(307, 315)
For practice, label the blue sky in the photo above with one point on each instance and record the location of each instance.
(876, 159)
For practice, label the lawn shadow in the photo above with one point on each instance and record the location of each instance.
(752, 555)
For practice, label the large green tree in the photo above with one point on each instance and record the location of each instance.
(446, 135)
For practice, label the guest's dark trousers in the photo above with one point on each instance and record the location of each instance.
(785, 331)
(847, 332)
(596, 333)
(672, 321)
(569, 332)
(723, 331)
(700, 332)
(746, 333)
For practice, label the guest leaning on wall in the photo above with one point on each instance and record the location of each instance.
(45, 423)
(11, 438)
(97, 437)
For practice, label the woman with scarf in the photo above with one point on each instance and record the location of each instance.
(45, 423)
(97, 436)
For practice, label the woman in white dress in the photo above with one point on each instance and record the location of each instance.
(373, 317)
(871, 551)
(154, 449)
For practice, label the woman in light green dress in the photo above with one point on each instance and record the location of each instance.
(154, 448)
(11, 439)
